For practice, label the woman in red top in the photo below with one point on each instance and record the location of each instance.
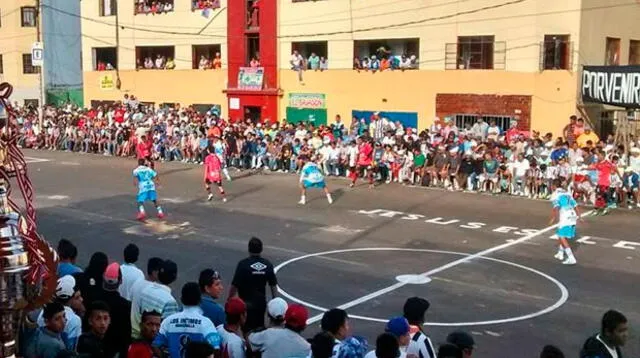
(365, 158)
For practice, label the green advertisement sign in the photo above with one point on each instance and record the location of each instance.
(316, 116)
(307, 100)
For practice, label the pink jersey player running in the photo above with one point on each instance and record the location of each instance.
(213, 174)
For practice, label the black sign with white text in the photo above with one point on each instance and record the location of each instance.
(615, 85)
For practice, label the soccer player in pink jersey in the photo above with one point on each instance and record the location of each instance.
(213, 174)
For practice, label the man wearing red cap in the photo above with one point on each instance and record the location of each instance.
(277, 342)
(233, 344)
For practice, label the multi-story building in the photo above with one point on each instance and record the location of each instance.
(60, 31)
(504, 60)
(18, 20)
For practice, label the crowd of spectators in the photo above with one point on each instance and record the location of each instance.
(385, 60)
(160, 62)
(480, 157)
(112, 309)
(153, 7)
(205, 4)
(205, 63)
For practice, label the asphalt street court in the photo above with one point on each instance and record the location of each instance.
(486, 269)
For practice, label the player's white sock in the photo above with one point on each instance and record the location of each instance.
(570, 258)
(159, 208)
(141, 209)
(303, 200)
(560, 250)
(226, 174)
(329, 199)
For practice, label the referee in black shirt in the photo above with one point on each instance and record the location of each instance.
(249, 282)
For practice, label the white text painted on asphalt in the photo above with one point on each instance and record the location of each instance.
(472, 225)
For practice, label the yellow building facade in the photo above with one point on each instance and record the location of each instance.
(17, 35)
(517, 60)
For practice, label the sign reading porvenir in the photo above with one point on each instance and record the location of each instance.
(614, 85)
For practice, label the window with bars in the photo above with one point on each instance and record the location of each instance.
(504, 122)
(475, 52)
(556, 52)
(28, 14)
(27, 67)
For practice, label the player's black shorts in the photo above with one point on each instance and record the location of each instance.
(209, 182)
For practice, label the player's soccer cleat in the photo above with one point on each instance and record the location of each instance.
(570, 261)
(210, 197)
(160, 215)
(302, 202)
(141, 216)
(559, 256)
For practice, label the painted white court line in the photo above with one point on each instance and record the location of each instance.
(30, 160)
(436, 270)
(564, 292)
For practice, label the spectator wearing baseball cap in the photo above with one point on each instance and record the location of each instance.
(211, 288)
(118, 335)
(276, 309)
(415, 309)
(462, 340)
(233, 344)
(278, 342)
(67, 294)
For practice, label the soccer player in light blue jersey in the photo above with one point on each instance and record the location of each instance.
(146, 179)
(565, 212)
(311, 177)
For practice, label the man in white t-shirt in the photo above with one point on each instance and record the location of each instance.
(233, 345)
(130, 272)
(518, 170)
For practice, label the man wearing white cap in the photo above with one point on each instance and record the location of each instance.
(276, 309)
(68, 294)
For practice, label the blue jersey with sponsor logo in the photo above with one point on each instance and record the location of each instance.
(179, 329)
(145, 177)
(566, 205)
(311, 174)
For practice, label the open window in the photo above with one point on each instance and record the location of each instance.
(475, 52)
(253, 48)
(386, 54)
(313, 52)
(108, 7)
(634, 52)
(155, 57)
(204, 4)
(556, 52)
(153, 7)
(612, 54)
(105, 58)
(29, 17)
(206, 57)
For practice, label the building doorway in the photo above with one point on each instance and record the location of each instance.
(253, 113)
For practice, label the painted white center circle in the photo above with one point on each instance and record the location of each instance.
(413, 279)
(564, 293)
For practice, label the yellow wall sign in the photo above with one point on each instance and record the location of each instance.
(106, 82)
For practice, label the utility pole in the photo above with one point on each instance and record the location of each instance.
(118, 83)
(41, 70)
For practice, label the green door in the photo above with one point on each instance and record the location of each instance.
(312, 115)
